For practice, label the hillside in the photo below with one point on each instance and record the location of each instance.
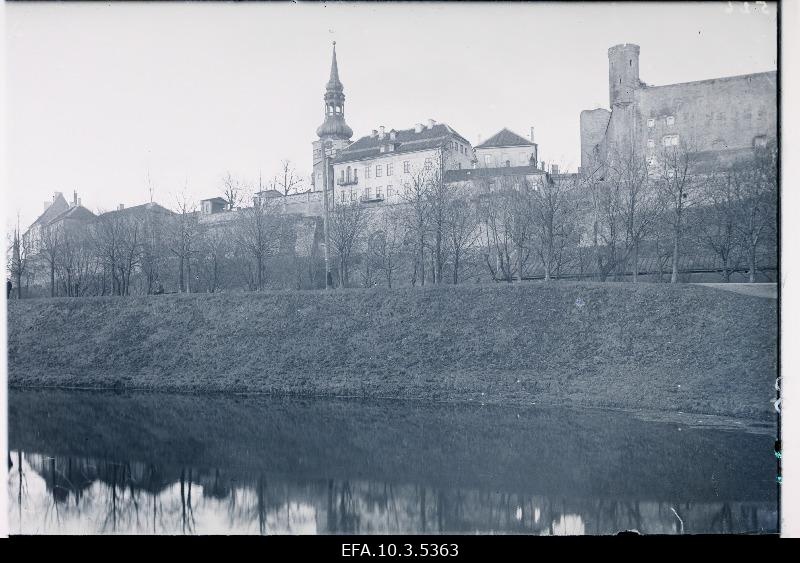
(634, 346)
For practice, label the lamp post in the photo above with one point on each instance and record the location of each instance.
(325, 180)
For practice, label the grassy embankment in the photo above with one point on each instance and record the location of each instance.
(632, 346)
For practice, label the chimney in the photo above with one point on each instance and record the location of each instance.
(121, 207)
(554, 169)
(79, 202)
(418, 128)
(374, 132)
(392, 134)
(381, 135)
(532, 141)
(74, 198)
(431, 123)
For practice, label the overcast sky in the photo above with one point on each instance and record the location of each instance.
(100, 95)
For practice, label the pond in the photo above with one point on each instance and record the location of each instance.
(130, 463)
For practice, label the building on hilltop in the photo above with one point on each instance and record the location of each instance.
(721, 119)
(378, 167)
(58, 215)
(506, 148)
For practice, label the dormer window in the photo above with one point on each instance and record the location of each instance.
(651, 123)
(670, 120)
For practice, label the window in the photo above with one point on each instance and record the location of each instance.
(487, 159)
(670, 141)
(651, 123)
(406, 166)
(389, 168)
(367, 171)
(367, 193)
(670, 120)
(428, 164)
(349, 172)
(389, 192)
(352, 195)
(355, 174)
(378, 170)
(651, 143)
(341, 176)
(343, 196)
(378, 192)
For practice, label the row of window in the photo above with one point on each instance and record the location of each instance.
(350, 175)
(666, 140)
(367, 194)
(456, 146)
(652, 122)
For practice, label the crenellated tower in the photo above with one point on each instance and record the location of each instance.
(623, 73)
(334, 133)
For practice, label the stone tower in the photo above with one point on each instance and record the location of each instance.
(623, 73)
(334, 133)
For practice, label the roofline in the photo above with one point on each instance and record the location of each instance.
(733, 77)
(384, 154)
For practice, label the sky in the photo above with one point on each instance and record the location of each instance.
(101, 97)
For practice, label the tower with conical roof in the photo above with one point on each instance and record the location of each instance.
(334, 133)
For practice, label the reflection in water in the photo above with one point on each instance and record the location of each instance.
(437, 472)
(70, 495)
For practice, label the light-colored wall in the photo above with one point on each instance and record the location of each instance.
(454, 159)
(517, 156)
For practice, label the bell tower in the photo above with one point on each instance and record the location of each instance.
(334, 133)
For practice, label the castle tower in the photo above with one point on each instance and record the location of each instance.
(623, 73)
(334, 133)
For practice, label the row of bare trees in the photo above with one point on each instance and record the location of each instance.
(632, 215)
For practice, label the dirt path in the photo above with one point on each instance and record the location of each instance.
(767, 290)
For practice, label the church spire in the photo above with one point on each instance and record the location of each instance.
(333, 82)
(334, 126)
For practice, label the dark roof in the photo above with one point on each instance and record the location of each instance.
(139, 209)
(58, 206)
(406, 140)
(77, 212)
(470, 173)
(505, 138)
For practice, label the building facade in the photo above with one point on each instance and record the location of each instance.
(722, 119)
(506, 148)
(380, 167)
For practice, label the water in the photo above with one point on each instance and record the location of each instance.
(152, 463)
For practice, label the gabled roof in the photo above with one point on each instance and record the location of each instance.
(139, 210)
(505, 138)
(406, 140)
(77, 212)
(58, 206)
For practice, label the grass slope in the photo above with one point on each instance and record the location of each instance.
(637, 346)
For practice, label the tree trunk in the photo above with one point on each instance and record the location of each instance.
(674, 278)
(752, 277)
(635, 261)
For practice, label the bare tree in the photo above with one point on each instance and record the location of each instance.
(386, 245)
(77, 265)
(755, 189)
(348, 224)
(440, 196)
(18, 259)
(717, 228)
(256, 233)
(417, 216)
(116, 237)
(50, 246)
(287, 181)
(461, 232)
(639, 202)
(232, 190)
(213, 245)
(183, 239)
(552, 207)
(497, 210)
(676, 184)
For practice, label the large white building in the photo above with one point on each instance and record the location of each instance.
(381, 167)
